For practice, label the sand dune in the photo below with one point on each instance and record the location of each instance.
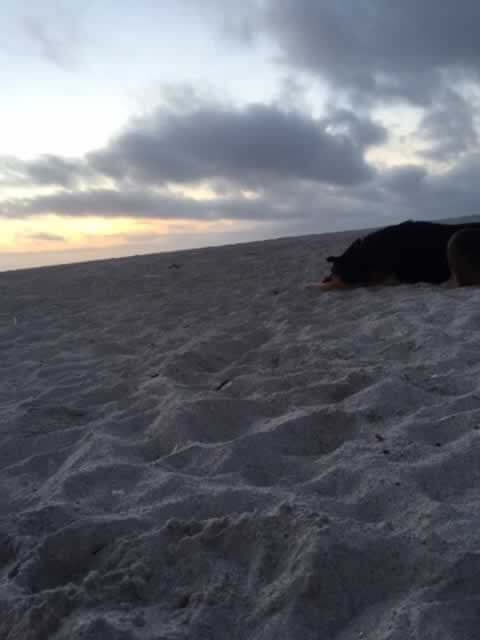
(212, 451)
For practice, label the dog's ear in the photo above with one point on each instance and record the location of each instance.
(331, 259)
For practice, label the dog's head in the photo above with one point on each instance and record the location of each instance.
(351, 268)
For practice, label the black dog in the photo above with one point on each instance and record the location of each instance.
(406, 253)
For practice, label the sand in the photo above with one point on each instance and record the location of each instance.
(193, 445)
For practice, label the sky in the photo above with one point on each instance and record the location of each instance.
(156, 125)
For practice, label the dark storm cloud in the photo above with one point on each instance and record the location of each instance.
(418, 194)
(406, 179)
(55, 170)
(362, 131)
(96, 202)
(307, 173)
(289, 207)
(378, 51)
(250, 145)
(449, 127)
(143, 204)
(46, 170)
(378, 48)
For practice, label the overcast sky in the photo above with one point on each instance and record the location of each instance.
(131, 127)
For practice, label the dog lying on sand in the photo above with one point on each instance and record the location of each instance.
(407, 253)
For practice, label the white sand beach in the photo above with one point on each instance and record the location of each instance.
(193, 445)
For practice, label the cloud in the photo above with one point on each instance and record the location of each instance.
(47, 237)
(305, 174)
(378, 49)
(12, 171)
(234, 20)
(141, 204)
(362, 131)
(406, 181)
(303, 170)
(449, 128)
(251, 145)
(56, 34)
(289, 207)
(377, 53)
(418, 194)
(258, 160)
(55, 170)
(248, 147)
(46, 170)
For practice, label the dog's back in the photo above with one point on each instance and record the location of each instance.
(413, 251)
(417, 251)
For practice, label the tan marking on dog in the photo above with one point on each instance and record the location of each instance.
(332, 283)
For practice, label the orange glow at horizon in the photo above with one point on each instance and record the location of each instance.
(57, 233)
